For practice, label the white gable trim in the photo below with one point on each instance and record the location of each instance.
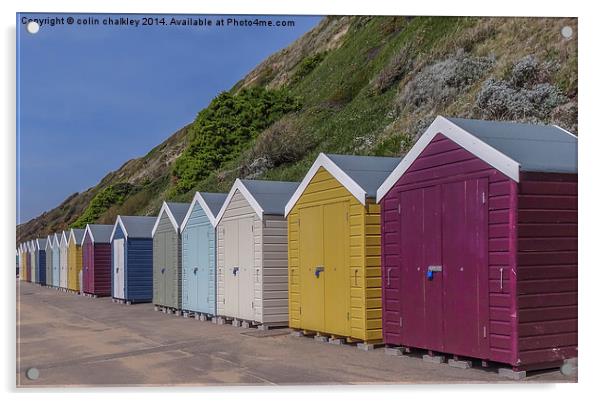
(37, 241)
(120, 222)
(49, 241)
(198, 198)
(324, 161)
(71, 236)
(88, 233)
(465, 139)
(565, 131)
(64, 240)
(239, 186)
(172, 219)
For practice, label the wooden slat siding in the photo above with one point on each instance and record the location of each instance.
(139, 269)
(274, 274)
(48, 265)
(294, 295)
(102, 269)
(256, 274)
(364, 256)
(444, 161)
(236, 209)
(547, 267)
(64, 266)
(198, 218)
(41, 268)
(173, 293)
(74, 265)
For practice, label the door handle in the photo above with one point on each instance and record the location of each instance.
(430, 271)
(235, 270)
(388, 276)
(163, 271)
(196, 269)
(318, 270)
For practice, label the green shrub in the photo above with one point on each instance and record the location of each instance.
(105, 199)
(224, 129)
(306, 66)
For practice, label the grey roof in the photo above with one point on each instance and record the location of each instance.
(178, 210)
(78, 233)
(215, 201)
(368, 172)
(101, 232)
(272, 196)
(139, 226)
(544, 148)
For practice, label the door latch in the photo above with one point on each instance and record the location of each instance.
(163, 271)
(388, 276)
(196, 269)
(235, 270)
(318, 270)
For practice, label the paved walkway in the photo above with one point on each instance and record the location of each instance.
(79, 341)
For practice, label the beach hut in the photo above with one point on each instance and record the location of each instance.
(252, 277)
(167, 260)
(199, 253)
(132, 258)
(96, 259)
(56, 260)
(40, 246)
(48, 249)
(64, 260)
(74, 259)
(21, 262)
(32, 254)
(334, 248)
(479, 252)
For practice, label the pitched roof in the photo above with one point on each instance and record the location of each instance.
(507, 146)
(265, 197)
(176, 212)
(360, 175)
(135, 226)
(64, 239)
(49, 241)
(41, 243)
(210, 202)
(98, 233)
(77, 234)
(56, 240)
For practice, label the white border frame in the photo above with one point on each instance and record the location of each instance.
(465, 139)
(341, 176)
(240, 186)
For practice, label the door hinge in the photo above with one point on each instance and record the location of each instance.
(399, 209)
(400, 321)
(484, 331)
(483, 197)
(299, 310)
(347, 315)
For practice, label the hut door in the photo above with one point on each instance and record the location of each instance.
(336, 274)
(231, 268)
(246, 261)
(421, 283)
(202, 255)
(118, 265)
(465, 298)
(311, 261)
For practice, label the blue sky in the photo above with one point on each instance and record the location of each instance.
(92, 97)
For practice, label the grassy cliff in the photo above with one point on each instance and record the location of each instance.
(358, 85)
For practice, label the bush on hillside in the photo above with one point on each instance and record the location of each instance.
(281, 143)
(225, 128)
(523, 95)
(110, 196)
(399, 65)
(440, 82)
